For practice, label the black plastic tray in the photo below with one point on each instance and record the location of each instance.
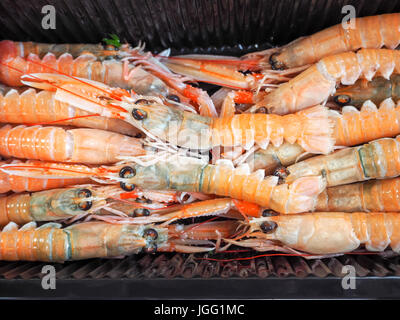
(176, 276)
(274, 288)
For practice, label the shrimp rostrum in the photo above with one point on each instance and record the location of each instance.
(312, 128)
(323, 233)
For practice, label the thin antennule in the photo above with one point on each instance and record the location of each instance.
(108, 207)
(62, 120)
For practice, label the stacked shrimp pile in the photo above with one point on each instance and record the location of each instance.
(110, 151)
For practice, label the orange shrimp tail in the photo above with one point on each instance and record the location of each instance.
(303, 193)
(318, 130)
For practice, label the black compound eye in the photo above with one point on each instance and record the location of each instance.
(150, 233)
(140, 212)
(127, 186)
(275, 63)
(127, 172)
(342, 99)
(281, 173)
(84, 193)
(139, 114)
(268, 226)
(85, 205)
(173, 97)
(269, 213)
(152, 249)
(245, 72)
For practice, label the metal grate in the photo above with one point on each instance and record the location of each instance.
(171, 266)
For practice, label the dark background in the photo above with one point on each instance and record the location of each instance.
(217, 26)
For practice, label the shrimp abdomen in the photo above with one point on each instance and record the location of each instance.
(47, 244)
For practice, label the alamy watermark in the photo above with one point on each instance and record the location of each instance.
(349, 20)
(49, 20)
(349, 280)
(49, 278)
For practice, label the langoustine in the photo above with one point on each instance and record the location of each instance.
(310, 128)
(27, 106)
(351, 127)
(377, 90)
(24, 49)
(101, 240)
(372, 32)
(191, 175)
(318, 82)
(54, 204)
(19, 58)
(323, 233)
(368, 32)
(124, 68)
(375, 160)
